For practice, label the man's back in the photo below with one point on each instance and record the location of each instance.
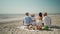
(27, 20)
(47, 21)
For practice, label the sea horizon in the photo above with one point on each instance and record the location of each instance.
(18, 16)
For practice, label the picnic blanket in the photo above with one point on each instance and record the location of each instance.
(24, 28)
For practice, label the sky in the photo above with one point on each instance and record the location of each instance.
(35, 6)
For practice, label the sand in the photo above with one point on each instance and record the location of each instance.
(10, 27)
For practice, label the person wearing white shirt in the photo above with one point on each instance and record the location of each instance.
(46, 20)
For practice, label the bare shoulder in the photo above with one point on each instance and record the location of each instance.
(36, 17)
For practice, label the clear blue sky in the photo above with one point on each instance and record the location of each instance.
(22, 6)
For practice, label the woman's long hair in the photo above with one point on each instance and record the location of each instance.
(40, 14)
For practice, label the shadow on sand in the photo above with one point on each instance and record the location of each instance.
(55, 27)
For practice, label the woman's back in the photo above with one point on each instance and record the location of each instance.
(38, 20)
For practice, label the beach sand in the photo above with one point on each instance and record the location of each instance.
(10, 27)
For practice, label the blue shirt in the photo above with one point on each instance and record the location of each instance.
(27, 20)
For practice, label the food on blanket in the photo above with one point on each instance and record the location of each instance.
(31, 27)
(38, 27)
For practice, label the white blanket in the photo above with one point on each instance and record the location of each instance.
(24, 28)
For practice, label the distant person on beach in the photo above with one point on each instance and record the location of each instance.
(27, 20)
(46, 20)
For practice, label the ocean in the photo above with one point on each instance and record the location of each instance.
(6, 16)
(10, 17)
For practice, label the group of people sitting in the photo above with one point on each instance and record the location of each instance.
(39, 22)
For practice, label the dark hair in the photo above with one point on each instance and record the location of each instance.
(27, 14)
(40, 14)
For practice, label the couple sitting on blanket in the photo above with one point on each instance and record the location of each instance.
(37, 23)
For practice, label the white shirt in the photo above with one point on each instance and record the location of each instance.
(47, 21)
